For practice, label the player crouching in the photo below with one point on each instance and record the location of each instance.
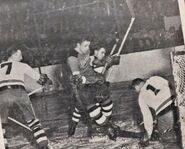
(156, 105)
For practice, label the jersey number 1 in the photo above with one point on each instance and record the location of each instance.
(9, 67)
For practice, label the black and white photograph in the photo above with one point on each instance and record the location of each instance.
(92, 74)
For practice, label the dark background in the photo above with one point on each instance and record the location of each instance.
(49, 29)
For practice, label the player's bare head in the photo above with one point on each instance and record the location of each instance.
(82, 46)
(14, 53)
(100, 53)
(137, 84)
(99, 50)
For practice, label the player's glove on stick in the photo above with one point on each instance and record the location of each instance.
(112, 60)
(77, 79)
(43, 79)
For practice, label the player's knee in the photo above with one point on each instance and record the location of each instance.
(96, 115)
(107, 106)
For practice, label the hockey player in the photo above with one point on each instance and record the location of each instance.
(98, 62)
(93, 88)
(12, 91)
(155, 101)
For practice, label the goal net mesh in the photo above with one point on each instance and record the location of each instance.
(178, 69)
(178, 65)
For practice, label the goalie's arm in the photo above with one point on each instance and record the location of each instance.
(147, 116)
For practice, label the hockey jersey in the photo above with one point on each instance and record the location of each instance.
(13, 72)
(154, 92)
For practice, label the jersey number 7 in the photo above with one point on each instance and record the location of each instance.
(9, 67)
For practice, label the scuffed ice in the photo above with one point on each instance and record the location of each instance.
(59, 140)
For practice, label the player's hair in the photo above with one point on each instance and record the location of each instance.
(80, 40)
(11, 50)
(136, 82)
(97, 47)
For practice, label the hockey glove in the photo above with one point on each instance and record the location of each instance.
(155, 134)
(112, 60)
(43, 79)
(144, 140)
(77, 79)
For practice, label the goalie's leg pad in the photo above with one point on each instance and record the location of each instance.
(38, 132)
(107, 106)
(76, 115)
(96, 115)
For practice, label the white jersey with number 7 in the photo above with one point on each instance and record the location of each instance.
(12, 73)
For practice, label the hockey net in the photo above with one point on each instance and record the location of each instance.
(178, 70)
(178, 66)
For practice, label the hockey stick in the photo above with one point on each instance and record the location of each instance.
(19, 123)
(35, 91)
(24, 126)
(126, 35)
(114, 47)
(131, 10)
(112, 51)
(122, 44)
(130, 7)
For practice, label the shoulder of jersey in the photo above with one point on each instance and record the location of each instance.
(20, 63)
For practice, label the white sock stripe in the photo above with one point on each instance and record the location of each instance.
(108, 107)
(77, 110)
(101, 120)
(29, 121)
(42, 139)
(34, 122)
(75, 119)
(39, 132)
(76, 114)
(38, 126)
(107, 113)
(95, 112)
